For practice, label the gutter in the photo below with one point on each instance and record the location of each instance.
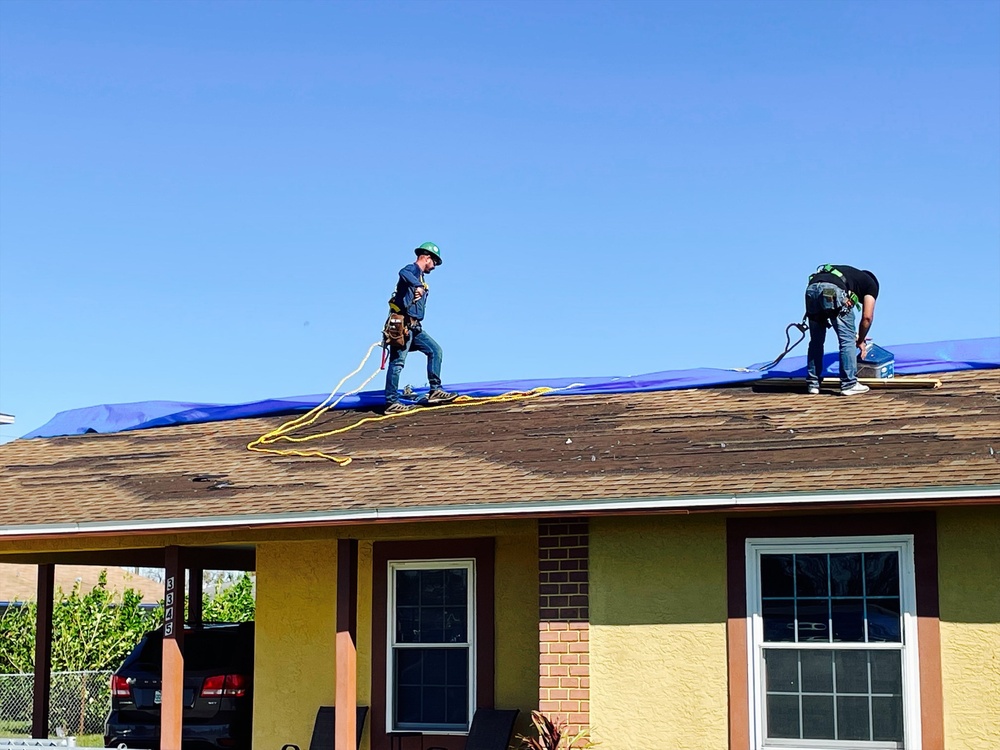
(622, 506)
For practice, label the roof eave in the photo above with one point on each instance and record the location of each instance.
(540, 508)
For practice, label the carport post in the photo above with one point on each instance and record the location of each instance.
(345, 719)
(43, 651)
(172, 687)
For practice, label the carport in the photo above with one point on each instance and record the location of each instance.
(184, 568)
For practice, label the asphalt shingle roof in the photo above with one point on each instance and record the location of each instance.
(690, 443)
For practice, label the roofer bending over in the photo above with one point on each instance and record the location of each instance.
(833, 294)
(404, 330)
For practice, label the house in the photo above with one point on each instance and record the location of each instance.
(729, 567)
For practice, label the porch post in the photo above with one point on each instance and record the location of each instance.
(195, 589)
(345, 730)
(172, 687)
(43, 651)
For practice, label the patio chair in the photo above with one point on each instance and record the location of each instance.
(323, 729)
(491, 729)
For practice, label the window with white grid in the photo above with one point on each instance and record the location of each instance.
(832, 647)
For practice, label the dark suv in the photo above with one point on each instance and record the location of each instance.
(218, 689)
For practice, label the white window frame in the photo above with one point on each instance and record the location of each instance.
(901, 544)
(469, 565)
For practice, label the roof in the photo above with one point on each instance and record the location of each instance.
(19, 582)
(539, 455)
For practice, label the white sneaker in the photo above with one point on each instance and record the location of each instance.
(812, 390)
(855, 390)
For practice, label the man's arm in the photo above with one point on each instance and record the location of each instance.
(867, 316)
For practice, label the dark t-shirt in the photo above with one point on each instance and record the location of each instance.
(857, 281)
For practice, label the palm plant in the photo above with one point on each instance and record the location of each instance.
(552, 735)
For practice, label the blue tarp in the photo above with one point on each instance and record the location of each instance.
(911, 359)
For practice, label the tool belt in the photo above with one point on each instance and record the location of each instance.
(396, 332)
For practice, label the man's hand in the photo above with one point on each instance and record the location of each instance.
(418, 292)
(863, 346)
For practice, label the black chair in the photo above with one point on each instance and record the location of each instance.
(323, 729)
(491, 729)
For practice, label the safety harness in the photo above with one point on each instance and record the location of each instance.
(827, 268)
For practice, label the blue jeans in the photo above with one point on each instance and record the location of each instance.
(821, 302)
(418, 342)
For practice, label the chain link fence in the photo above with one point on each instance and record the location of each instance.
(79, 702)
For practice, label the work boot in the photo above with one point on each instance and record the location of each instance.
(397, 408)
(854, 390)
(439, 396)
(812, 390)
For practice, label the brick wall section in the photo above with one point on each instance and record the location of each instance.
(564, 621)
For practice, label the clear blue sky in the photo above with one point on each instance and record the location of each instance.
(209, 201)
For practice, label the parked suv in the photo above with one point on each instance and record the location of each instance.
(218, 689)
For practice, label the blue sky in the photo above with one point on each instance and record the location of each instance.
(209, 201)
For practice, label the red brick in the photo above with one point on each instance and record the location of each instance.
(580, 648)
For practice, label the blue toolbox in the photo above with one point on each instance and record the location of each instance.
(877, 363)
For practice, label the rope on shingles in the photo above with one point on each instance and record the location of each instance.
(285, 431)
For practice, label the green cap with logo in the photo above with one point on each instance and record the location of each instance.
(429, 248)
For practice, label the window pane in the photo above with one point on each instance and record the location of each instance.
(782, 669)
(782, 716)
(407, 587)
(431, 625)
(407, 624)
(883, 620)
(845, 575)
(811, 575)
(887, 721)
(421, 614)
(814, 617)
(817, 717)
(779, 620)
(432, 587)
(456, 586)
(887, 672)
(817, 671)
(454, 625)
(431, 687)
(882, 573)
(852, 671)
(776, 577)
(852, 718)
(848, 620)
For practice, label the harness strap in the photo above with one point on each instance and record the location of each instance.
(836, 272)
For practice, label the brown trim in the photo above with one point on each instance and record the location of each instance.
(43, 651)
(345, 722)
(923, 527)
(482, 551)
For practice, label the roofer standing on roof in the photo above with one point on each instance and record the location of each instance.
(407, 306)
(833, 294)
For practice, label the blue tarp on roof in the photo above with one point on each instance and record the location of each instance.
(911, 359)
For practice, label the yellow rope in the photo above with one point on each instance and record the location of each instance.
(283, 433)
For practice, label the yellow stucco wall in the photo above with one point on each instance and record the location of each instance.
(296, 603)
(969, 581)
(294, 669)
(658, 633)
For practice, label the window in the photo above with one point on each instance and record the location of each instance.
(832, 643)
(431, 645)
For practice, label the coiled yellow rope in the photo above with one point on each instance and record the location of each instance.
(284, 432)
